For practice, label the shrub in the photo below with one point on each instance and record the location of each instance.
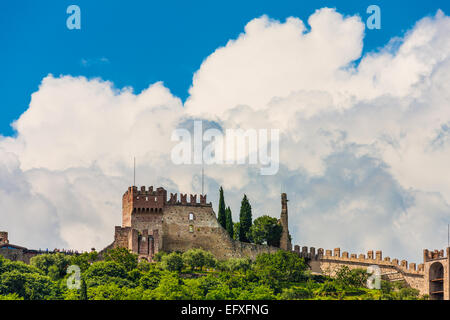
(172, 262)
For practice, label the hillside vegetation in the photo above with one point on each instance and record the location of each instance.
(194, 274)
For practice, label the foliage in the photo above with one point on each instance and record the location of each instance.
(196, 259)
(245, 220)
(266, 230)
(235, 265)
(236, 226)
(83, 290)
(10, 296)
(29, 286)
(347, 277)
(280, 275)
(172, 262)
(106, 269)
(158, 256)
(281, 266)
(221, 216)
(229, 222)
(54, 265)
(123, 257)
(84, 260)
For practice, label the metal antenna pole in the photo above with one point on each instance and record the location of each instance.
(134, 171)
(203, 178)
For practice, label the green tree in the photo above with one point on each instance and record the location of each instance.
(267, 230)
(236, 265)
(236, 226)
(221, 215)
(198, 258)
(245, 220)
(53, 265)
(172, 262)
(83, 290)
(229, 222)
(171, 287)
(84, 260)
(122, 256)
(111, 269)
(280, 267)
(347, 277)
(150, 280)
(30, 286)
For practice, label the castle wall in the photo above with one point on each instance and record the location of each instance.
(329, 262)
(16, 254)
(147, 220)
(121, 236)
(203, 231)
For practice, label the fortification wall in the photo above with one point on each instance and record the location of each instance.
(329, 262)
(121, 237)
(187, 227)
(17, 254)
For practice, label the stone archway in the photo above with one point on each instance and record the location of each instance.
(436, 276)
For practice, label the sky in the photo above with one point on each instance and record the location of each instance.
(363, 115)
(136, 43)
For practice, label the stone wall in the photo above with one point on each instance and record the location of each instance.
(187, 227)
(16, 254)
(329, 262)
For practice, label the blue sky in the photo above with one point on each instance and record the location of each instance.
(136, 43)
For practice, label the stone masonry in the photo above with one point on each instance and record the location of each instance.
(151, 222)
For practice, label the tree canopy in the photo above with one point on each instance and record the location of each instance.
(266, 230)
(245, 220)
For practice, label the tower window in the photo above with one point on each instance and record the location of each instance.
(191, 228)
(191, 216)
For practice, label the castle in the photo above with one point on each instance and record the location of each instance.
(152, 222)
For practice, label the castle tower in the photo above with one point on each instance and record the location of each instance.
(436, 277)
(136, 201)
(285, 241)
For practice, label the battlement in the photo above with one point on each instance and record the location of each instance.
(173, 200)
(362, 259)
(154, 200)
(433, 255)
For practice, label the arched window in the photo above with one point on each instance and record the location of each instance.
(191, 216)
(437, 281)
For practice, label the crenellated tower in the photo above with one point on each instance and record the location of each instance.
(285, 241)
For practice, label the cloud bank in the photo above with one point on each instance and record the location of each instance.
(364, 148)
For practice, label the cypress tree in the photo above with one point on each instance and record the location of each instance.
(245, 220)
(83, 293)
(221, 217)
(229, 224)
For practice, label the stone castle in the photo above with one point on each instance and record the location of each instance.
(152, 222)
